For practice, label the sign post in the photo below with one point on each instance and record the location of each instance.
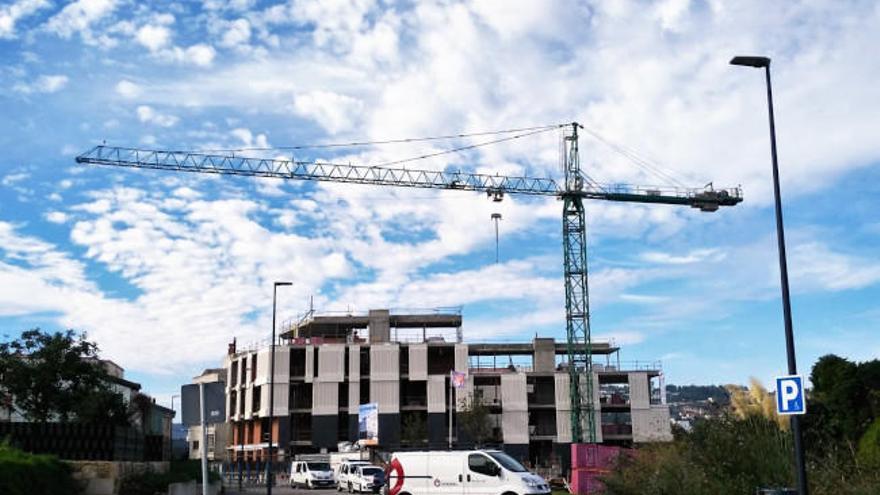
(790, 397)
(456, 380)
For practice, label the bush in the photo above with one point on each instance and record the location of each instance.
(150, 482)
(720, 456)
(30, 474)
(869, 447)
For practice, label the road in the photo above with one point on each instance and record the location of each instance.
(279, 490)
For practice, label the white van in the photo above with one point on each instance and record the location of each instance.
(312, 474)
(346, 470)
(477, 472)
(365, 478)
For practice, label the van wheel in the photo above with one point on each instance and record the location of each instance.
(508, 493)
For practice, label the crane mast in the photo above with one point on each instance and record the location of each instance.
(572, 192)
(577, 296)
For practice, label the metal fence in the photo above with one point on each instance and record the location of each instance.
(75, 441)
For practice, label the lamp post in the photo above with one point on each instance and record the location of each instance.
(269, 474)
(764, 62)
(496, 217)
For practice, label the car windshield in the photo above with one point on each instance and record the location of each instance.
(318, 466)
(371, 471)
(508, 462)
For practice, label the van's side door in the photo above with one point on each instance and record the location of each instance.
(445, 472)
(481, 476)
(342, 478)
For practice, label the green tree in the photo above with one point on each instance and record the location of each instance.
(57, 376)
(473, 420)
(414, 429)
(838, 388)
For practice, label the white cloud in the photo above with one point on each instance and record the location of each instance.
(247, 138)
(43, 84)
(200, 55)
(148, 115)
(236, 33)
(14, 178)
(12, 13)
(334, 112)
(128, 89)
(235, 5)
(153, 37)
(78, 17)
(695, 256)
(56, 217)
(815, 266)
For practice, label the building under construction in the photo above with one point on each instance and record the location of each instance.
(327, 365)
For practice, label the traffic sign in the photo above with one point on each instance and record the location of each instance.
(790, 397)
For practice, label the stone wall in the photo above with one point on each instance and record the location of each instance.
(104, 477)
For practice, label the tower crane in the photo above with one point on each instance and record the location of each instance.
(575, 188)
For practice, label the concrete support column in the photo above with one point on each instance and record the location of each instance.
(380, 325)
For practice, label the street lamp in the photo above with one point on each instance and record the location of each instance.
(764, 62)
(270, 475)
(495, 218)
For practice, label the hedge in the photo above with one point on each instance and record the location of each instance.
(34, 474)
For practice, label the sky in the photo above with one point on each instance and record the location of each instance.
(163, 269)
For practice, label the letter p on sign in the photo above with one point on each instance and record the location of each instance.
(790, 395)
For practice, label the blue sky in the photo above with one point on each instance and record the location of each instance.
(164, 269)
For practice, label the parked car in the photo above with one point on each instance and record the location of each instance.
(311, 474)
(344, 471)
(484, 472)
(365, 478)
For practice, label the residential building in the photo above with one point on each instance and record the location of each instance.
(217, 434)
(328, 365)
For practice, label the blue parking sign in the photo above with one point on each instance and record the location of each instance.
(790, 395)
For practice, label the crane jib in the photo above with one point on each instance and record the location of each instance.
(184, 161)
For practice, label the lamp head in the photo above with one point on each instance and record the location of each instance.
(279, 284)
(757, 62)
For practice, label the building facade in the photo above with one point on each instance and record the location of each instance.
(327, 366)
(217, 436)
